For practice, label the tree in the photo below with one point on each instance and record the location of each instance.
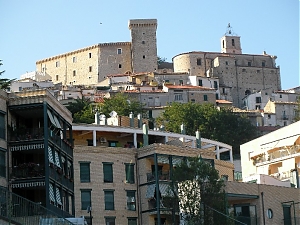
(80, 110)
(161, 60)
(199, 189)
(122, 104)
(213, 123)
(4, 82)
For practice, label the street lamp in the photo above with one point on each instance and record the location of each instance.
(89, 210)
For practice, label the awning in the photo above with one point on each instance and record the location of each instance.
(51, 193)
(280, 142)
(164, 189)
(51, 118)
(50, 155)
(57, 122)
(58, 198)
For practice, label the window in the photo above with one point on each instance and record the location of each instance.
(223, 43)
(243, 70)
(217, 96)
(258, 100)
(57, 64)
(56, 77)
(90, 55)
(263, 64)
(232, 42)
(180, 82)
(226, 62)
(178, 97)
(193, 100)
(205, 98)
(199, 62)
(74, 59)
(120, 66)
(2, 164)
(119, 51)
(257, 71)
(167, 81)
(199, 82)
(109, 199)
(144, 56)
(86, 199)
(74, 73)
(143, 42)
(2, 125)
(132, 221)
(280, 96)
(131, 200)
(112, 143)
(110, 220)
(107, 172)
(129, 170)
(215, 84)
(85, 172)
(90, 68)
(249, 63)
(224, 177)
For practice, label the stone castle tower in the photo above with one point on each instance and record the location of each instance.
(143, 45)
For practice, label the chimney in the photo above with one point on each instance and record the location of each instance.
(198, 139)
(145, 135)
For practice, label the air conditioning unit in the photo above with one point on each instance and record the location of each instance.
(102, 139)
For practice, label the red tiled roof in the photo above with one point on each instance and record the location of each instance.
(221, 101)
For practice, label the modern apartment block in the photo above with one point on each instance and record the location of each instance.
(36, 151)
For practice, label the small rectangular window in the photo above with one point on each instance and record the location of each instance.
(215, 84)
(263, 64)
(2, 164)
(129, 171)
(280, 96)
(199, 82)
(107, 172)
(199, 62)
(86, 199)
(74, 73)
(193, 100)
(131, 200)
(90, 68)
(110, 220)
(243, 70)
(144, 56)
(119, 51)
(57, 64)
(74, 59)
(85, 172)
(132, 221)
(257, 71)
(217, 96)
(249, 63)
(56, 77)
(205, 98)
(226, 62)
(90, 55)
(120, 66)
(109, 200)
(232, 42)
(180, 82)
(258, 99)
(143, 42)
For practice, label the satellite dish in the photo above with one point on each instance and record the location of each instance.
(113, 114)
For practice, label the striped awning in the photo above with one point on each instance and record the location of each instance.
(164, 189)
(51, 193)
(58, 198)
(57, 162)
(50, 155)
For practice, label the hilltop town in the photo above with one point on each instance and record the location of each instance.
(118, 170)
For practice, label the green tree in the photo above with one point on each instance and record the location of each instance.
(122, 104)
(213, 123)
(161, 60)
(4, 82)
(199, 189)
(81, 110)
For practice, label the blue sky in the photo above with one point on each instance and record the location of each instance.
(33, 30)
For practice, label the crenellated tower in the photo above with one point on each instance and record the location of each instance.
(143, 45)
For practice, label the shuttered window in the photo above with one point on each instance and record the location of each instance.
(109, 199)
(129, 170)
(85, 172)
(108, 172)
(85, 199)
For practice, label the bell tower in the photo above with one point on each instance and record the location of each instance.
(230, 42)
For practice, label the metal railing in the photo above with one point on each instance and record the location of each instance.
(15, 209)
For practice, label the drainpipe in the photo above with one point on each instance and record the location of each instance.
(263, 207)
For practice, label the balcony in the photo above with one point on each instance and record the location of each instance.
(284, 117)
(27, 170)
(26, 134)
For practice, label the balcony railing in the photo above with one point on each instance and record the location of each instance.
(26, 134)
(165, 175)
(27, 170)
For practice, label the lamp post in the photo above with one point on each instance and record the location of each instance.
(89, 210)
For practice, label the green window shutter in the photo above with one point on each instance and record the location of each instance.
(129, 170)
(85, 172)
(109, 200)
(108, 172)
(2, 164)
(132, 221)
(205, 97)
(85, 199)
